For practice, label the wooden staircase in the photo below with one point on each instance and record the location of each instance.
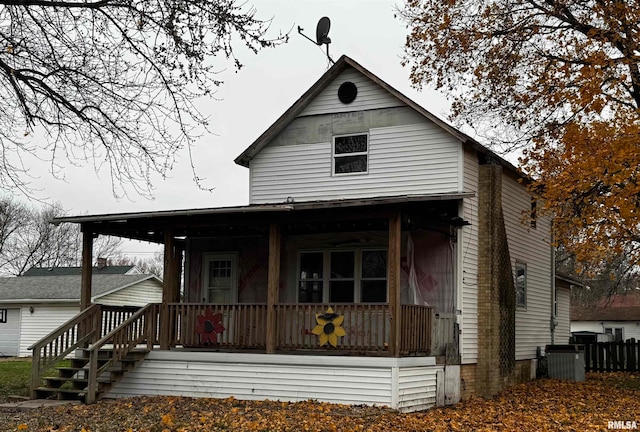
(72, 382)
(107, 342)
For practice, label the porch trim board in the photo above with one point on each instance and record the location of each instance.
(407, 384)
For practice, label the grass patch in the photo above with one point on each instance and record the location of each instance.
(15, 377)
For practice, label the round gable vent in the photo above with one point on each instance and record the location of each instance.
(347, 92)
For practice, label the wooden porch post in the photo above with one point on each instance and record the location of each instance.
(273, 284)
(393, 273)
(170, 292)
(177, 273)
(87, 261)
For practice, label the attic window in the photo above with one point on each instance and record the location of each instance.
(350, 154)
(3, 316)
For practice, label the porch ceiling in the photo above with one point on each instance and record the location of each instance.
(419, 211)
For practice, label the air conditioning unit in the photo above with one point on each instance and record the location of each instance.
(565, 362)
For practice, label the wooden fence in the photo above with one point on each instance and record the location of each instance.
(612, 356)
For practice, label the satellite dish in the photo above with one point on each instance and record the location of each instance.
(322, 31)
(322, 35)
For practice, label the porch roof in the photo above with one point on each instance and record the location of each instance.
(145, 225)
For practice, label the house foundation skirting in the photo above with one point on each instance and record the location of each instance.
(406, 384)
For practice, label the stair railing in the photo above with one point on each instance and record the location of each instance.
(78, 332)
(140, 327)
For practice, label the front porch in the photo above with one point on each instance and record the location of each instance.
(301, 282)
(106, 342)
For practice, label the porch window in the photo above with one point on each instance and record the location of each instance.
(374, 276)
(311, 277)
(342, 282)
(521, 284)
(350, 154)
(343, 276)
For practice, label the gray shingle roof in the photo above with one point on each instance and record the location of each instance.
(67, 271)
(55, 288)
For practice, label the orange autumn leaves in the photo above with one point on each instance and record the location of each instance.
(535, 406)
(591, 184)
(559, 79)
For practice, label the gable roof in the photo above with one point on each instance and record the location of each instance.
(63, 288)
(343, 63)
(619, 307)
(70, 271)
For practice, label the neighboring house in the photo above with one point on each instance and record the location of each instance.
(33, 306)
(425, 245)
(617, 316)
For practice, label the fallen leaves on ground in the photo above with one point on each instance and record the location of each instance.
(540, 405)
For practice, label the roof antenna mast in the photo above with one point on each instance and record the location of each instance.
(322, 35)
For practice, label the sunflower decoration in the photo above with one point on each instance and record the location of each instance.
(329, 327)
(208, 326)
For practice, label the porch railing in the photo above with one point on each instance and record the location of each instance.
(243, 326)
(140, 327)
(416, 329)
(80, 331)
(366, 326)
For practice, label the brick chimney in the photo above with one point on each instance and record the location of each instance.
(101, 263)
(496, 290)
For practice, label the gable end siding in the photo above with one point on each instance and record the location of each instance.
(370, 96)
(139, 294)
(403, 160)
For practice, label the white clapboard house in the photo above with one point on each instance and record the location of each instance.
(385, 258)
(33, 305)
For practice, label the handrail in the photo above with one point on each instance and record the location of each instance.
(78, 331)
(137, 328)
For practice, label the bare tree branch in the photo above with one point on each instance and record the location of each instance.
(113, 82)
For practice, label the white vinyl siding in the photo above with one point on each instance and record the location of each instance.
(403, 160)
(44, 319)
(530, 246)
(9, 331)
(470, 261)
(140, 294)
(370, 96)
(563, 329)
(347, 380)
(417, 388)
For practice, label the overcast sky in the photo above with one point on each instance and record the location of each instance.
(251, 100)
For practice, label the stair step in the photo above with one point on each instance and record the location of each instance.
(62, 380)
(62, 394)
(77, 375)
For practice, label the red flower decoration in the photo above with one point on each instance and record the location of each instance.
(208, 326)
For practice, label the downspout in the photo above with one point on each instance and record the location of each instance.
(554, 321)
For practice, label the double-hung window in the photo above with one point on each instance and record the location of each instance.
(350, 154)
(616, 332)
(342, 276)
(521, 284)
